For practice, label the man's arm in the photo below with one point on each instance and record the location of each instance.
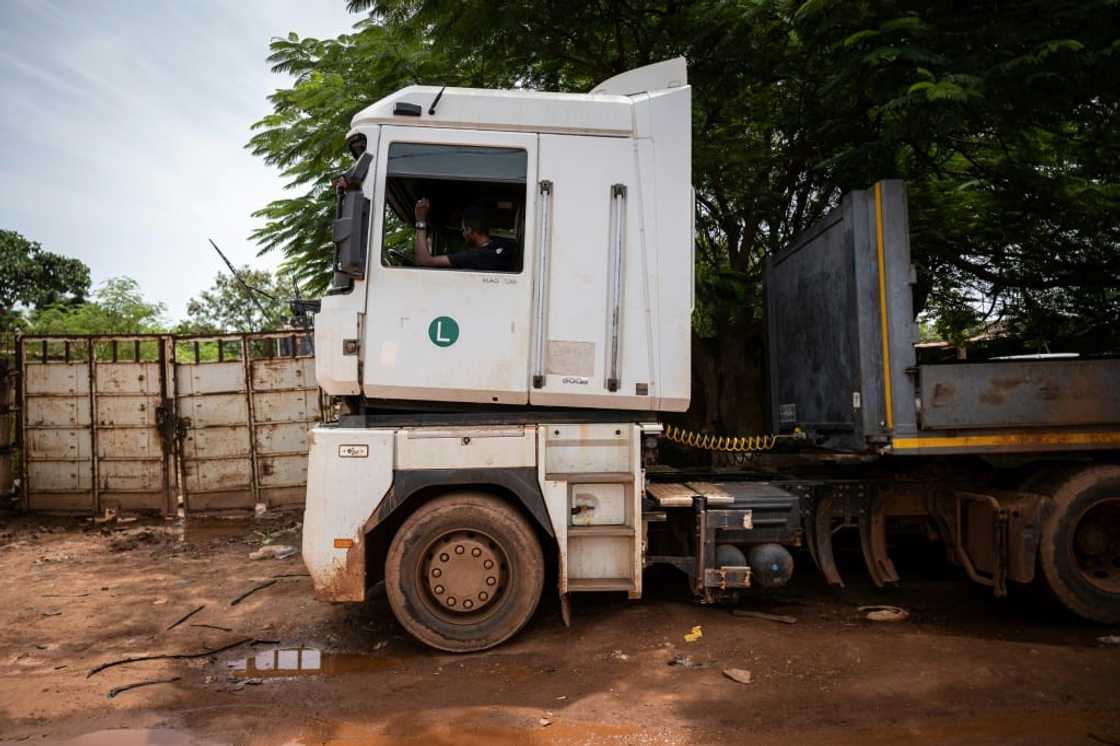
(423, 253)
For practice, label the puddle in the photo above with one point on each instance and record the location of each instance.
(288, 662)
(196, 531)
(135, 737)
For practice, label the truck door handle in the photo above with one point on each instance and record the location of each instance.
(540, 298)
(616, 287)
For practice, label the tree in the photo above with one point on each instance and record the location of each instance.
(118, 307)
(228, 307)
(33, 278)
(1004, 122)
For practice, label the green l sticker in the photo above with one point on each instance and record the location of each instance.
(443, 331)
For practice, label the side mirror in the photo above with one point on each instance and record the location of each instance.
(350, 234)
(302, 311)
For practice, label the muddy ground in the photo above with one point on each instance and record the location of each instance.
(965, 668)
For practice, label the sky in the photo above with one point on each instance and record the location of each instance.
(123, 125)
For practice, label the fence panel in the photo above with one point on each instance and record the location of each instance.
(8, 410)
(215, 444)
(57, 427)
(90, 415)
(135, 467)
(285, 405)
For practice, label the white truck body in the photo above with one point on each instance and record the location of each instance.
(597, 316)
(593, 467)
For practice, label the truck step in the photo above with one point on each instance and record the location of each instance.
(680, 494)
(581, 531)
(600, 584)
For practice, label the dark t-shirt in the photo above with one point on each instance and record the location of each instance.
(500, 255)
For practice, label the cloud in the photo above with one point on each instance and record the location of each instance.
(123, 128)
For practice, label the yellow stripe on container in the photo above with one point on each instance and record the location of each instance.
(888, 393)
(1009, 439)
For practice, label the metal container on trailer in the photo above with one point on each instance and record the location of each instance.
(843, 366)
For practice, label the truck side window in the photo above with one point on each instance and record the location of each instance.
(453, 178)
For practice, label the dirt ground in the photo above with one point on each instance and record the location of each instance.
(965, 668)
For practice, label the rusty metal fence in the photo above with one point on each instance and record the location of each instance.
(8, 410)
(159, 422)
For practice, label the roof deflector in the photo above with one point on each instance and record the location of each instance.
(656, 77)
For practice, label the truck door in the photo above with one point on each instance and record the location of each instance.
(444, 334)
(593, 348)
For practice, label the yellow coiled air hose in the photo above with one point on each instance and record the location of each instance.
(725, 443)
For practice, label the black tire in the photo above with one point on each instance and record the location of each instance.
(455, 601)
(1080, 549)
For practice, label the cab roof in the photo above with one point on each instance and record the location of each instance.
(607, 111)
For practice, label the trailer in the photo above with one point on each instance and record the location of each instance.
(500, 428)
(1013, 462)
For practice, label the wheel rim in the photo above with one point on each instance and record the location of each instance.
(1096, 545)
(464, 575)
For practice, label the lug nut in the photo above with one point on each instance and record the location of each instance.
(444, 557)
(468, 604)
(439, 590)
(476, 552)
(436, 572)
(488, 564)
(458, 549)
(491, 580)
(451, 601)
(483, 596)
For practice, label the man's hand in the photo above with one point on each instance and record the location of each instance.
(341, 183)
(423, 250)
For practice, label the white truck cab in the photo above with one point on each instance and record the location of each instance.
(494, 420)
(593, 189)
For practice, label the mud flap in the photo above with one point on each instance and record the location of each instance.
(873, 540)
(566, 609)
(818, 531)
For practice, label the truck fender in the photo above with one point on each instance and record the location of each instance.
(521, 482)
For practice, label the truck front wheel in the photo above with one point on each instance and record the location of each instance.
(464, 572)
(1080, 549)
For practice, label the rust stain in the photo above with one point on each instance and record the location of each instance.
(1008, 383)
(1049, 390)
(995, 398)
(348, 583)
(941, 393)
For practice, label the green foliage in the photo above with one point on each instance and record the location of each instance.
(1003, 121)
(118, 307)
(228, 307)
(33, 278)
(306, 133)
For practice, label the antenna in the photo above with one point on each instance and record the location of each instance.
(248, 288)
(439, 95)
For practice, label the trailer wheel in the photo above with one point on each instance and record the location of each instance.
(1080, 552)
(464, 572)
